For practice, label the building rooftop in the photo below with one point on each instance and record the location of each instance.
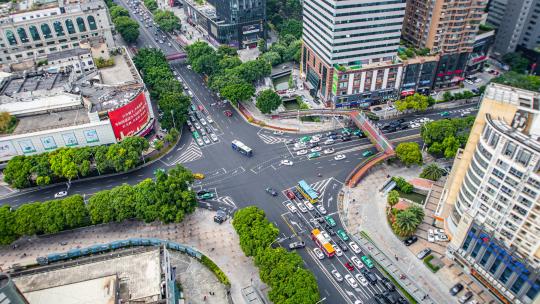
(23, 10)
(67, 54)
(95, 291)
(138, 276)
(53, 120)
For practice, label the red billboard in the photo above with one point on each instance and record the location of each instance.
(130, 118)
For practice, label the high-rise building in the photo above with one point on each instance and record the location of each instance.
(349, 50)
(492, 196)
(240, 23)
(29, 30)
(517, 23)
(9, 293)
(446, 28)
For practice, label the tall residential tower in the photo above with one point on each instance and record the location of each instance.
(492, 196)
(349, 50)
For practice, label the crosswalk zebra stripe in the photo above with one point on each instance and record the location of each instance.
(320, 186)
(271, 140)
(227, 200)
(192, 153)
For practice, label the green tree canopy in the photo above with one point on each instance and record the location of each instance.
(268, 101)
(118, 11)
(409, 153)
(416, 102)
(432, 172)
(128, 28)
(405, 223)
(392, 198)
(513, 79)
(236, 92)
(151, 5)
(167, 20)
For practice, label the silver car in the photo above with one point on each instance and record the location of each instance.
(206, 140)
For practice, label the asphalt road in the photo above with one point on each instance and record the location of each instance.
(239, 181)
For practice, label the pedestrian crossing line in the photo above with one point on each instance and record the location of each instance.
(320, 186)
(271, 140)
(191, 153)
(227, 200)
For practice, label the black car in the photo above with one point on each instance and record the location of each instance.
(271, 191)
(345, 138)
(220, 216)
(297, 193)
(401, 120)
(386, 282)
(331, 133)
(402, 127)
(379, 299)
(370, 276)
(342, 245)
(329, 229)
(390, 297)
(456, 289)
(320, 219)
(410, 240)
(402, 300)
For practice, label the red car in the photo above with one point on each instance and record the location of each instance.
(349, 266)
(290, 195)
(201, 108)
(228, 113)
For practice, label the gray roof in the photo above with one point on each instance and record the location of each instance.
(67, 54)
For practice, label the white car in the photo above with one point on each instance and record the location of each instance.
(318, 253)
(300, 145)
(189, 67)
(206, 140)
(309, 205)
(337, 275)
(352, 282)
(357, 262)
(302, 207)
(469, 82)
(431, 236)
(301, 152)
(214, 137)
(315, 140)
(329, 141)
(340, 157)
(210, 120)
(203, 121)
(316, 149)
(277, 133)
(328, 151)
(190, 93)
(60, 194)
(337, 250)
(197, 126)
(321, 209)
(200, 142)
(291, 207)
(441, 238)
(354, 247)
(286, 162)
(361, 279)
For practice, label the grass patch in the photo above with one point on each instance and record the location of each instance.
(415, 197)
(427, 262)
(216, 270)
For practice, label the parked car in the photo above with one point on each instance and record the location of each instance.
(338, 250)
(297, 245)
(370, 276)
(431, 236)
(424, 253)
(330, 220)
(351, 281)
(286, 162)
(361, 279)
(214, 137)
(456, 289)
(314, 155)
(357, 262)
(349, 266)
(354, 247)
(389, 286)
(292, 207)
(321, 208)
(342, 235)
(410, 240)
(466, 297)
(60, 194)
(308, 205)
(302, 207)
(301, 152)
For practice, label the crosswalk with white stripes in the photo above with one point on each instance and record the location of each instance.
(227, 200)
(271, 140)
(191, 153)
(320, 186)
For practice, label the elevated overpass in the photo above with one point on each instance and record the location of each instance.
(383, 145)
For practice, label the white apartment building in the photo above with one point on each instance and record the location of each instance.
(493, 194)
(34, 28)
(357, 34)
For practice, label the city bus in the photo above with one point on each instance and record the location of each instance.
(323, 242)
(311, 195)
(240, 147)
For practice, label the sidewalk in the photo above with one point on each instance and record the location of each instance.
(359, 214)
(219, 242)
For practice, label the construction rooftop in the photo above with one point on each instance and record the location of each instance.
(120, 277)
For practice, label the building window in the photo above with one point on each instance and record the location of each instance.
(91, 22)
(494, 140)
(46, 30)
(495, 265)
(487, 133)
(11, 37)
(505, 275)
(533, 291)
(516, 172)
(498, 173)
(34, 33)
(467, 243)
(80, 24)
(22, 35)
(70, 27)
(529, 192)
(510, 149)
(476, 249)
(523, 157)
(485, 258)
(58, 28)
(534, 183)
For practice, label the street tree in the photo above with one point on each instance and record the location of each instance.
(118, 11)
(409, 153)
(393, 198)
(167, 20)
(417, 102)
(151, 5)
(236, 92)
(174, 106)
(432, 172)
(261, 45)
(405, 223)
(128, 28)
(273, 58)
(268, 101)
